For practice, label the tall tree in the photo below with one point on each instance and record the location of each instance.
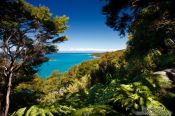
(150, 23)
(27, 33)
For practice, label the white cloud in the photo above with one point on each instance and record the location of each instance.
(89, 49)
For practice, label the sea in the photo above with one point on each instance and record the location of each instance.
(62, 62)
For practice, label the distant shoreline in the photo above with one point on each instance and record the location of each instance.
(93, 54)
(81, 52)
(97, 55)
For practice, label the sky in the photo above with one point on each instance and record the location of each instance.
(87, 29)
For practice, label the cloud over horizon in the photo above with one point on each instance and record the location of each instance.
(88, 50)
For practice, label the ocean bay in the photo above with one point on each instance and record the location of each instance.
(62, 62)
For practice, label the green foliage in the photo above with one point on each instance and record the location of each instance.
(128, 86)
(22, 98)
(28, 33)
(96, 110)
(32, 111)
(55, 74)
(83, 69)
(136, 97)
(167, 61)
(75, 94)
(101, 94)
(122, 79)
(164, 88)
(52, 110)
(46, 90)
(61, 110)
(150, 22)
(117, 83)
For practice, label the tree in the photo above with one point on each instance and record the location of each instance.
(27, 33)
(151, 23)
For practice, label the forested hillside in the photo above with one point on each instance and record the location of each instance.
(109, 85)
(139, 80)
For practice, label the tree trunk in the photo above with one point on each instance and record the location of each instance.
(5, 101)
(7, 104)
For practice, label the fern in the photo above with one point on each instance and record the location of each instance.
(32, 111)
(20, 112)
(137, 97)
(95, 110)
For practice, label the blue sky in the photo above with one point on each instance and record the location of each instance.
(87, 30)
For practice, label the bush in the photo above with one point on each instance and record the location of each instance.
(96, 110)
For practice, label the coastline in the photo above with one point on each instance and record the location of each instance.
(63, 62)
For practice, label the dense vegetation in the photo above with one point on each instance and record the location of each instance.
(27, 33)
(136, 81)
(108, 85)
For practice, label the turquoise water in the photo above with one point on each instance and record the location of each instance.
(62, 62)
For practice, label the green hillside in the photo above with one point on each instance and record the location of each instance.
(109, 85)
(139, 80)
